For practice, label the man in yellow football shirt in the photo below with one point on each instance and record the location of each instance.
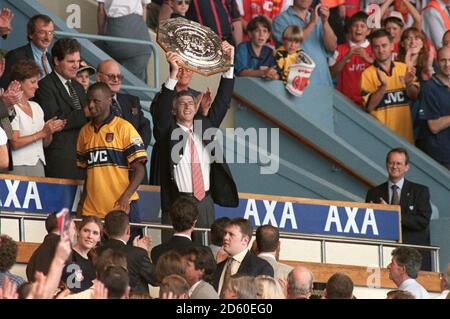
(108, 147)
(387, 87)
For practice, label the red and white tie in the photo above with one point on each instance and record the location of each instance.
(198, 187)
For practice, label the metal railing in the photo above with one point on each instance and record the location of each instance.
(21, 217)
(123, 40)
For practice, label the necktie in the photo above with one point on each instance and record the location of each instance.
(74, 95)
(198, 188)
(227, 275)
(115, 108)
(44, 63)
(395, 199)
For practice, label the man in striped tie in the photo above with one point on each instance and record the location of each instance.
(61, 96)
(413, 198)
(187, 169)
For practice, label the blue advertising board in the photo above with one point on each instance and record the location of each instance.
(289, 214)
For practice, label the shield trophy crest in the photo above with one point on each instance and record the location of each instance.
(199, 47)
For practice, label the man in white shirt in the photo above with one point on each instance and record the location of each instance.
(403, 271)
(184, 148)
(125, 19)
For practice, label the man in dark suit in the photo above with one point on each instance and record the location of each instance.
(141, 271)
(184, 214)
(40, 31)
(238, 235)
(126, 106)
(62, 97)
(184, 78)
(206, 179)
(414, 200)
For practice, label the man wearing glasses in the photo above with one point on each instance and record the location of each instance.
(126, 106)
(40, 32)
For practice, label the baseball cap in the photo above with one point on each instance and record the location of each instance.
(85, 66)
(396, 14)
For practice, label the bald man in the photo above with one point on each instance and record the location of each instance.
(435, 110)
(300, 283)
(126, 106)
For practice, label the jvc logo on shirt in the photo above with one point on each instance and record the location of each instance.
(392, 98)
(97, 157)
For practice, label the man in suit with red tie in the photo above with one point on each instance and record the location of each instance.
(40, 32)
(186, 167)
(413, 198)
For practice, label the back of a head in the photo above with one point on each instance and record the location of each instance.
(183, 214)
(218, 230)
(244, 286)
(116, 280)
(109, 258)
(175, 284)
(51, 224)
(410, 258)
(170, 263)
(116, 223)
(8, 253)
(400, 294)
(300, 282)
(339, 286)
(267, 288)
(267, 238)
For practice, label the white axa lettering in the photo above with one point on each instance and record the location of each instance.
(12, 198)
(351, 225)
(288, 214)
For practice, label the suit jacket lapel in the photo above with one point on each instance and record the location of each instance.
(404, 196)
(62, 89)
(29, 52)
(244, 264)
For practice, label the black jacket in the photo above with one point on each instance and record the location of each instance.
(140, 269)
(54, 100)
(222, 187)
(251, 265)
(12, 57)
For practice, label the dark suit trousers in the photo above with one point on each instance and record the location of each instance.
(206, 217)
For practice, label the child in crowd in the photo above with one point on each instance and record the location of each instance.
(179, 8)
(352, 58)
(83, 74)
(254, 58)
(287, 53)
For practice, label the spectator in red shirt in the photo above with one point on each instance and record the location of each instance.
(352, 58)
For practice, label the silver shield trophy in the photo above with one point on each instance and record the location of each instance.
(199, 47)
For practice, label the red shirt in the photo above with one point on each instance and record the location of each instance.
(350, 76)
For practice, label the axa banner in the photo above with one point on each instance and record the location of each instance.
(319, 217)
